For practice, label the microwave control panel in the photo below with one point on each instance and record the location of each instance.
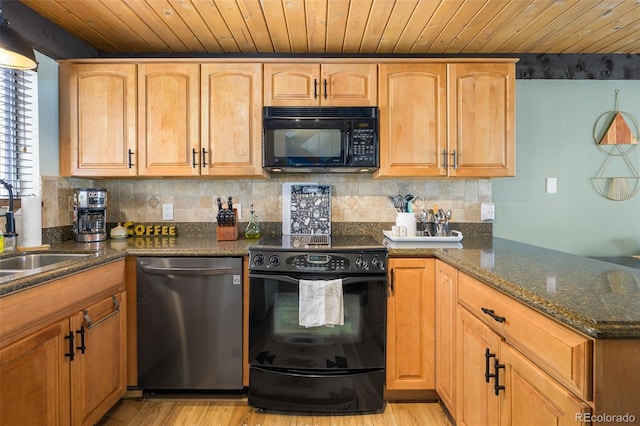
(363, 137)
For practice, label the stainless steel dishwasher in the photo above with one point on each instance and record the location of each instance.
(189, 323)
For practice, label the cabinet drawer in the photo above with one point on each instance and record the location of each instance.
(561, 352)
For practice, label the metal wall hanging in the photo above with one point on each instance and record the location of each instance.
(618, 140)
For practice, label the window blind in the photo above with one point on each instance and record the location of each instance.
(16, 131)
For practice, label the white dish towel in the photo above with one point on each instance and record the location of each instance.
(320, 303)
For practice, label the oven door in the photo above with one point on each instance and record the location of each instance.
(277, 341)
(305, 142)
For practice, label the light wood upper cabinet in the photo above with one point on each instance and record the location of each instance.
(413, 126)
(453, 119)
(410, 325)
(287, 84)
(97, 119)
(481, 103)
(168, 119)
(231, 120)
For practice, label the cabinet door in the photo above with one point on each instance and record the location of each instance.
(291, 84)
(349, 85)
(533, 398)
(413, 126)
(98, 120)
(98, 373)
(482, 119)
(410, 325)
(168, 119)
(34, 379)
(231, 104)
(445, 339)
(476, 402)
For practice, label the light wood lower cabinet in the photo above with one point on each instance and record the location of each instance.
(516, 366)
(63, 350)
(34, 379)
(98, 369)
(445, 339)
(410, 324)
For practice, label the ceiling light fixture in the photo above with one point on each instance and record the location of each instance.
(15, 51)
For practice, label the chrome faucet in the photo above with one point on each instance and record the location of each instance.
(11, 222)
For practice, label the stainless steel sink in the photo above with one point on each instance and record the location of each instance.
(39, 260)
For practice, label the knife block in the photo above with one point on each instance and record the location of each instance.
(229, 233)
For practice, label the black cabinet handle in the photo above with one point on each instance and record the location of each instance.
(71, 353)
(82, 347)
(325, 88)
(444, 159)
(487, 357)
(455, 160)
(130, 153)
(492, 314)
(497, 387)
(315, 88)
(193, 158)
(203, 160)
(393, 280)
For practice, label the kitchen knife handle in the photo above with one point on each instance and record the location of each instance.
(315, 88)
(193, 157)
(130, 156)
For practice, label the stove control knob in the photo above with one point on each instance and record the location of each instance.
(274, 260)
(377, 262)
(361, 263)
(258, 259)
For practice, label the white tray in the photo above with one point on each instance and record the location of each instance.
(455, 237)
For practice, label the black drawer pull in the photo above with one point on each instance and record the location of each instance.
(71, 353)
(492, 314)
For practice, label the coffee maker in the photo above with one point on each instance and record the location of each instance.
(90, 214)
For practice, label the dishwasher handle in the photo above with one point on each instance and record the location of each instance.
(168, 270)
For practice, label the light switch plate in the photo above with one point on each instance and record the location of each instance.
(552, 185)
(167, 212)
(487, 212)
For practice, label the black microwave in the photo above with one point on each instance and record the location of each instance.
(320, 139)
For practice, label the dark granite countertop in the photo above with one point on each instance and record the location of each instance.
(597, 298)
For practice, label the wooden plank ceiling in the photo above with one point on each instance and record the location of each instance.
(349, 26)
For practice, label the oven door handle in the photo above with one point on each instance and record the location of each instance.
(345, 280)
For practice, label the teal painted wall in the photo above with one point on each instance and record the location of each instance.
(555, 122)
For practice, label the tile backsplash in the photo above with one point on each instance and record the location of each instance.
(355, 198)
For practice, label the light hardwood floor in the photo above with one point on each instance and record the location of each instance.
(236, 411)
